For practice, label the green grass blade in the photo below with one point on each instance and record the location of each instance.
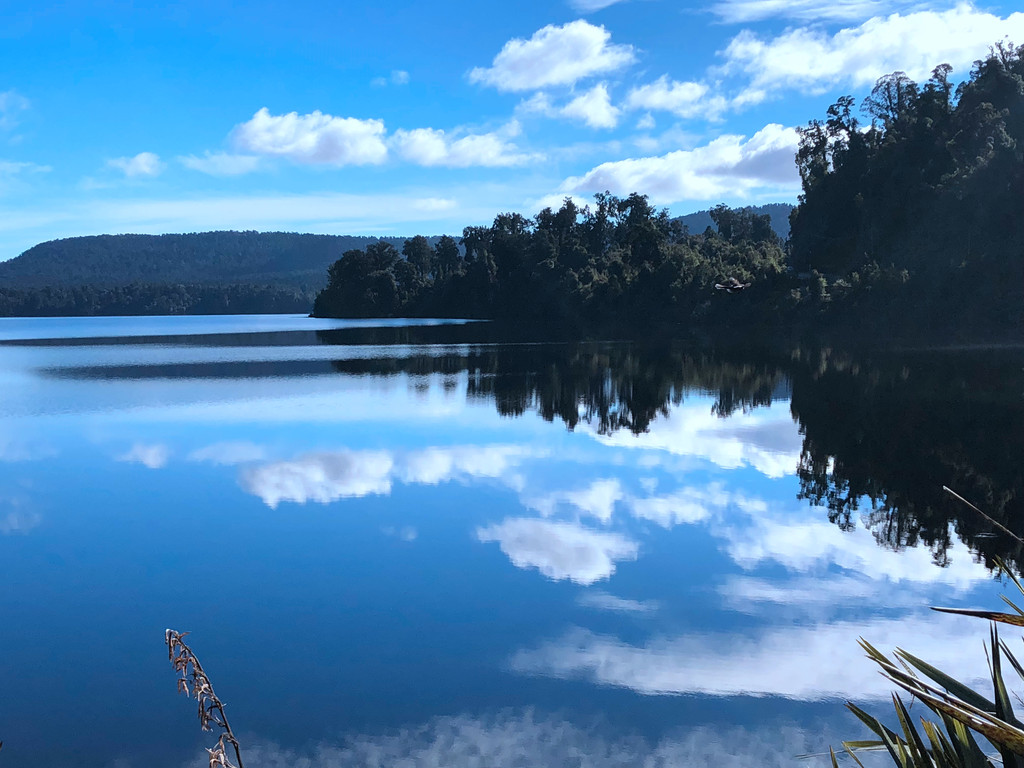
(951, 684)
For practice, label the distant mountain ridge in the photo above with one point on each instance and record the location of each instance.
(779, 212)
(278, 259)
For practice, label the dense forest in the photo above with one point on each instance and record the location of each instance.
(913, 220)
(197, 273)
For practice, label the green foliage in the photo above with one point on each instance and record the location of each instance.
(949, 741)
(930, 191)
(620, 261)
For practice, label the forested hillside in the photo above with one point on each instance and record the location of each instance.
(267, 258)
(778, 213)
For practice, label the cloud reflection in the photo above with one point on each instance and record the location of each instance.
(560, 550)
(320, 477)
(152, 456)
(820, 661)
(523, 738)
(767, 439)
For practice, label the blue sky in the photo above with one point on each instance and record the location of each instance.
(404, 118)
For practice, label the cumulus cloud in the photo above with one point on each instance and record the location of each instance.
(683, 99)
(320, 477)
(730, 166)
(142, 164)
(229, 453)
(811, 60)
(433, 147)
(807, 662)
(554, 56)
(560, 550)
(594, 107)
(744, 11)
(315, 138)
(221, 163)
(152, 456)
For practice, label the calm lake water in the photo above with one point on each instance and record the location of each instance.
(440, 544)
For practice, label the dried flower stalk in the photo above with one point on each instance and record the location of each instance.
(193, 682)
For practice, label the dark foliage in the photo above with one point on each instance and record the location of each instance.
(924, 205)
(618, 261)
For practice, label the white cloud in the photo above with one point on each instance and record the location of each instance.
(431, 466)
(646, 122)
(684, 99)
(596, 500)
(321, 477)
(531, 738)
(807, 662)
(397, 77)
(729, 166)
(221, 163)
(152, 456)
(603, 601)
(228, 454)
(10, 168)
(811, 544)
(809, 59)
(589, 6)
(594, 108)
(554, 56)
(766, 439)
(12, 104)
(315, 138)
(684, 506)
(560, 550)
(743, 11)
(433, 147)
(142, 164)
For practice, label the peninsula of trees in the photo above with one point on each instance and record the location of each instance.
(912, 218)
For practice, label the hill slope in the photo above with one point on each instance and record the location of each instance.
(279, 259)
(779, 213)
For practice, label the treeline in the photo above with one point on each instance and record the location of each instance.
(200, 257)
(619, 260)
(912, 222)
(153, 299)
(929, 194)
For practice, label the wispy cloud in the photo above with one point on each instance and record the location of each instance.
(12, 105)
(745, 11)
(554, 56)
(603, 601)
(221, 163)
(397, 77)
(152, 456)
(142, 164)
(433, 147)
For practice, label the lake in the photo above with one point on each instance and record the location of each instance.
(433, 543)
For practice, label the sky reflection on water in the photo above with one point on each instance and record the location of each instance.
(387, 566)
